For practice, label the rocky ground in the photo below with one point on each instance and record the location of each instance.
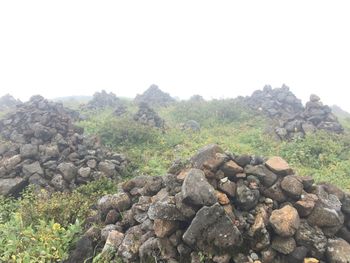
(8, 102)
(291, 118)
(43, 147)
(222, 208)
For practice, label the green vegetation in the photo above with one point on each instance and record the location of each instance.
(41, 227)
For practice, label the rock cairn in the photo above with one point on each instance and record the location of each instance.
(43, 147)
(147, 116)
(102, 100)
(7, 102)
(155, 97)
(292, 119)
(223, 208)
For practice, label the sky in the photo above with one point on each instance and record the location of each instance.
(217, 49)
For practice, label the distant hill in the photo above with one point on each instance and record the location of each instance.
(339, 112)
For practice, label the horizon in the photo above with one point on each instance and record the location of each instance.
(217, 50)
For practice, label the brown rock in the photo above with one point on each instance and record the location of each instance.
(306, 204)
(338, 251)
(222, 198)
(285, 221)
(164, 228)
(114, 239)
(275, 193)
(231, 169)
(292, 186)
(278, 165)
(204, 155)
(227, 187)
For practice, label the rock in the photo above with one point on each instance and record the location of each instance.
(84, 172)
(164, 228)
(129, 248)
(204, 155)
(68, 171)
(285, 221)
(84, 249)
(267, 177)
(314, 98)
(312, 238)
(212, 227)
(12, 162)
(230, 169)
(227, 187)
(58, 182)
(279, 166)
(196, 190)
(338, 251)
(222, 198)
(327, 212)
(306, 204)
(108, 168)
(120, 202)
(275, 193)
(33, 168)
(11, 186)
(284, 245)
(147, 116)
(114, 240)
(346, 205)
(165, 210)
(155, 96)
(246, 198)
(29, 151)
(292, 186)
(298, 255)
(311, 260)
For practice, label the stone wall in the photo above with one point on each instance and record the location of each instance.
(42, 146)
(222, 208)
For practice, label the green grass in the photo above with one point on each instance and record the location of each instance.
(42, 226)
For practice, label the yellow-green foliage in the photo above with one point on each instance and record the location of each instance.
(40, 227)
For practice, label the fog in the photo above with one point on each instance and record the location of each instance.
(214, 48)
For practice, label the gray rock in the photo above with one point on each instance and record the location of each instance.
(212, 227)
(108, 168)
(266, 177)
(120, 202)
(12, 185)
(129, 248)
(196, 190)
(312, 238)
(166, 210)
(246, 197)
(29, 151)
(33, 168)
(84, 172)
(12, 162)
(68, 171)
(58, 182)
(338, 251)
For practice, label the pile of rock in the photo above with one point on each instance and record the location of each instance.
(102, 100)
(278, 103)
(147, 116)
(315, 116)
(224, 208)
(191, 125)
(42, 146)
(154, 97)
(291, 119)
(8, 102)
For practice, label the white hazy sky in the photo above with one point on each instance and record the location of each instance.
(213, 48)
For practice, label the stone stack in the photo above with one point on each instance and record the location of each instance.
(102, 100)
(155, 97)
(290, 118)
(43, 147)
(315, 116)
(223, 208)
(147, 116)
(8, 102)
(278, 103)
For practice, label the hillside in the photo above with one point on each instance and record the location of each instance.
(160, 140)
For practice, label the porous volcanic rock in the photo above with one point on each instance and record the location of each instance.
(43, 146)
(190, 216)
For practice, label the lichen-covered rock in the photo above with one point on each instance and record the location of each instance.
(285, 221)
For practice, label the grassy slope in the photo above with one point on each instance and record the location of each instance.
(33, 227)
